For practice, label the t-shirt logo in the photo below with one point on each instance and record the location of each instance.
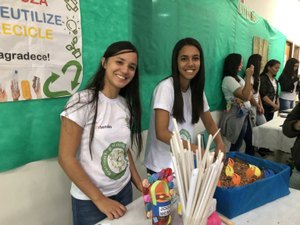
(185, 135)
(114, 160)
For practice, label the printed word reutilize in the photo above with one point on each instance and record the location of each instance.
(26, 30)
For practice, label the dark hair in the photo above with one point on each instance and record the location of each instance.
(130, 92)
(270, 63)
(231, 65)
(196, 84)
(288, 69)
(255, 60)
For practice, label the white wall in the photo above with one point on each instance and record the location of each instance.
(35, 194)
(282, 14)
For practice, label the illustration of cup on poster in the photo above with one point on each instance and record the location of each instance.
(41, 49)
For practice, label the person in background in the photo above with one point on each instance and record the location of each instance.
(291, 128)
(269, 88)
(97, 130)
(256, 103)
(288, 81)
(180, 96)
(237, 121)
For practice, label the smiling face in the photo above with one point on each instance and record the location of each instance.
(188, 62)
(119, 71)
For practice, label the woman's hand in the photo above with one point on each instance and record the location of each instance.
(249, 71)
(111, 208)
(275, 107)
(36, 85)
(260, 109)
(15, 92)
(220, 146)
(3, 96)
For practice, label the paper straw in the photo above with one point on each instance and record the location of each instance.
(196, 183)
(177, 133)
(199, 148)
(198, 186)
(202, 196)
(182, 165)
(179, 184)
(189, 145)
(176, 143)
(216, 133)
(191, 194)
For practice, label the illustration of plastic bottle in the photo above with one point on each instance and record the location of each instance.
(25, 87)
(15, 81)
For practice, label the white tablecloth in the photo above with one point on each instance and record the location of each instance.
(269, 135)
(284, 210)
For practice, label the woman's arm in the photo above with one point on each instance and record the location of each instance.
(260, 108)
(212, 129)
(162, 132)
(245, 93)
(254, 102)
(70, 137)
(269, 102)
(135, 177)
(257, 104)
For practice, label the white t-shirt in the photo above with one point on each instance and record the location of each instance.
(109, 168)
(158, 155)
(255, 95)
(229, 86)
(291, 96)
(273, 81)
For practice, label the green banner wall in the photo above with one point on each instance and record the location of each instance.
(216, 24)
(29, 130)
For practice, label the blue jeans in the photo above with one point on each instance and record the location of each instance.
(260, 119)
(246, 134)
(286, 104)
(85, 212)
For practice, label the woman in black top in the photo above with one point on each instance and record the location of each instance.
(288, 81)
(269, 88)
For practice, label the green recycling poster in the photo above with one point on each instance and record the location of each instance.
(42, 54)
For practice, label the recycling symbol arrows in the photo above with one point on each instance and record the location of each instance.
(55, 78)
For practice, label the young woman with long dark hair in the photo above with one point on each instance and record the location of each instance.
(180, 96)
(97, 131)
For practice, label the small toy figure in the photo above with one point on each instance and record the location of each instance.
(158, 194)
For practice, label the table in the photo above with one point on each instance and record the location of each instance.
(269, 135)
(284, 210)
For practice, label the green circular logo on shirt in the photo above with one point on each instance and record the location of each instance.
(185, 135)
(114, 160)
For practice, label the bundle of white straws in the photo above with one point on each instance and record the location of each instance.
(196, 177)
